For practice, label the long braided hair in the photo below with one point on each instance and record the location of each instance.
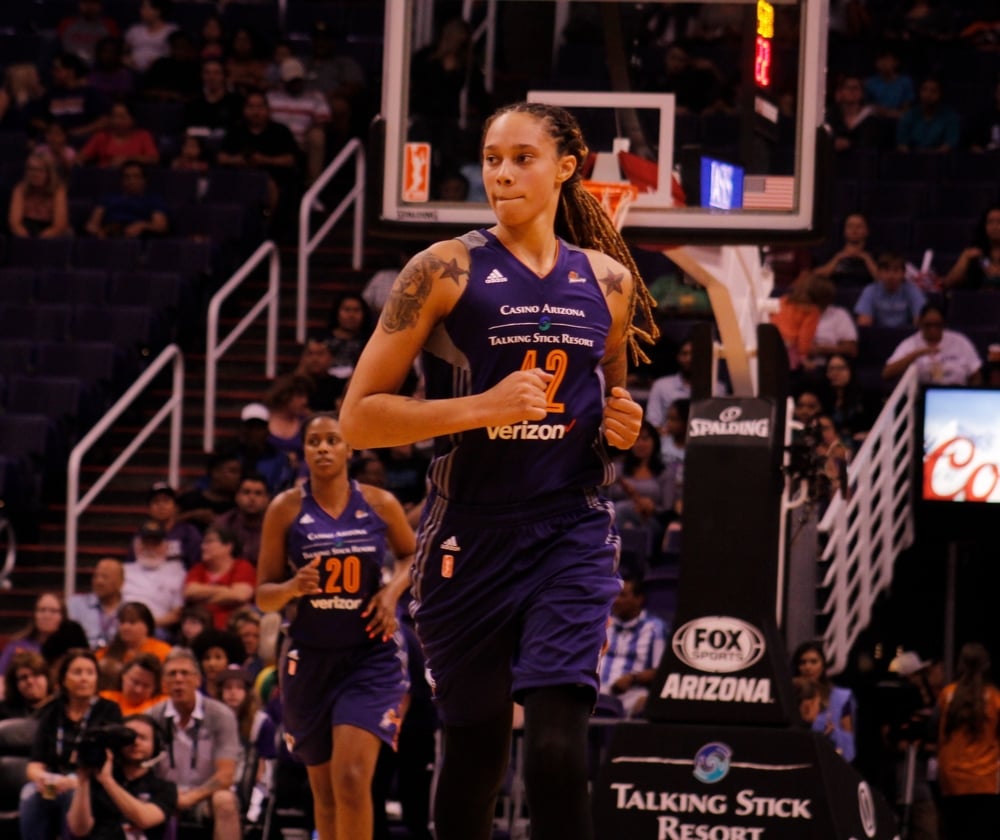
(581, 220)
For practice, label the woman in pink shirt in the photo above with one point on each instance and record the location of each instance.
(120, 141)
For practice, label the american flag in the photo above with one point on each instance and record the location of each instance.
(769, 192)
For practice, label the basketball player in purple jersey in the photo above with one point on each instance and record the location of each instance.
(343, 667)
(525, 339)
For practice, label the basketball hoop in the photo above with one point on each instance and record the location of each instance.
(615, 197)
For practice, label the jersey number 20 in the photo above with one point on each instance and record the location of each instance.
(343, 575)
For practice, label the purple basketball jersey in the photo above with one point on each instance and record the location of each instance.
(351, 549)
(509, 319)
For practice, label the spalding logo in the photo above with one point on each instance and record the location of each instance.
(718, 644)
(727, 415)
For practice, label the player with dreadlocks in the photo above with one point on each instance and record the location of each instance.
(525, 330)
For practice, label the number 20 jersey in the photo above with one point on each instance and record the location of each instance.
(509, 319)
(350, 548)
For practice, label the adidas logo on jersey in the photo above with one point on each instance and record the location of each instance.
(306, 519)
(576, 278)
(451, 544)
(495, 277)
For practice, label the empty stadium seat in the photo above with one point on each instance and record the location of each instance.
(17, 285)
(973, 308)
(46, 322)
(92, 362)
(107, 254)
(16, 356)
(76, 285)
(40, 253)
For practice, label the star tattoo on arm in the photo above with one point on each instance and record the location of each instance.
(612, 282)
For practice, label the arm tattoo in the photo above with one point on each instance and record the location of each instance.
(412, 288)
(612, 283)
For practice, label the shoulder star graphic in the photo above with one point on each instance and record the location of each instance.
(613, 282)
(453, 270)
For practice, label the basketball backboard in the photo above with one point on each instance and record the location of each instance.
(713, 110)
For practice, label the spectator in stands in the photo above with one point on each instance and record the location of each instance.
(636, 641)
(786, 262)
(80, 33)
(288, 404)
(57, 147)
(850, 119)
(75, 709)
(21, 90)
(110, 76)
(216, 650)
(136, 635)
(125, 791)
(215, 494)
(216, 109)
(942, 356)
(140, 685)
(892, 300)
(258, 734)
(261, 143)
(147, 40)
(39, 208)
(222, 581)
(175, 77)
(195, 618)
(837, 704)
(984, 129)
(212, 41)
(97, 611)
(835, 332)
(929, 126)
(796, 320)
(673, 440)
(405, 474)
(315, 363)
(665, 390)
(122, 141)
(26, 685)
(49, 632)
(978, 267)
(191, 157)
(350, 324)
(183, 540)
(246, 69)
(969, 748)
(155, 578)
(132, 213)
(255, 452)
(304, 111)
(71, 101)
(808, 406)
(852, 411)
(852, 264)
(245, 623)
(644, 486)
(244, 521)
(343, 81)
(203, 775)
(889, 91)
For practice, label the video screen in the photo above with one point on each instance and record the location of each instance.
(961, 445)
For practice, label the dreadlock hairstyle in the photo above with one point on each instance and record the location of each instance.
(581, 220)
(967, 709)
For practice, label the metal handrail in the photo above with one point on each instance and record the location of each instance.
(214, 349)
(867, 529)
(309, 244)
(174, 405)
(10, 555)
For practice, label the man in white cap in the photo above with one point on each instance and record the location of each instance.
(304, 111)
(256, 454)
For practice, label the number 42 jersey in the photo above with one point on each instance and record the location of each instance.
(509, 319)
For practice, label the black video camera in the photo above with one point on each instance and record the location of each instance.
(91, 750)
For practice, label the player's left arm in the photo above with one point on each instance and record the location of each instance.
(622, 414)
(381, 610)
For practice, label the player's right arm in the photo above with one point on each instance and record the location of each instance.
(274, 587)
(375, 415)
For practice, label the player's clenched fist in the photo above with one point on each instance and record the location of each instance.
(622, 419)
(518, 396)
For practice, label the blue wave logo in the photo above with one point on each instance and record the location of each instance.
(711, 762)
(544, 323)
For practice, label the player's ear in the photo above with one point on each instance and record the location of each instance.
(566, 168)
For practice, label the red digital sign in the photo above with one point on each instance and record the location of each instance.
(762, 48)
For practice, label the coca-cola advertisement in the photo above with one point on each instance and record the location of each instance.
(961, 445)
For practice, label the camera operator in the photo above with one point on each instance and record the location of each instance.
(122, 798)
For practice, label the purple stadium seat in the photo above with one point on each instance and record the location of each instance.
(107, 254)
(90, 361)
(76, 285)
(39, 253)
(17, 285)
(17, 355)
(57, 397)
(47, 322)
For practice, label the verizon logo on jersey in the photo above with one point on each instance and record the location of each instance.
(530, 431)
